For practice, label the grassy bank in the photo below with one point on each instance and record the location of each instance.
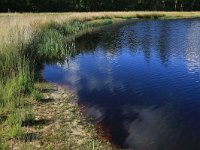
(58, 123)
(29, 40)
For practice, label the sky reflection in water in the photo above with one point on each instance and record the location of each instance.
(141, 81)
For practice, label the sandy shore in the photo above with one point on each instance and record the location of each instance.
(59, 124)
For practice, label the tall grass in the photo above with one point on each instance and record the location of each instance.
(16, 78)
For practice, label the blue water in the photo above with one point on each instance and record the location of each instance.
(140, 81)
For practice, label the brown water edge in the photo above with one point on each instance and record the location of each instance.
(103, 133)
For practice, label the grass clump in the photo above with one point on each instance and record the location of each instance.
(36, 94)
(29, 118)
(13, 124)
(48, 45)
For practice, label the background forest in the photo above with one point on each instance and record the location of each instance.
(97, 5)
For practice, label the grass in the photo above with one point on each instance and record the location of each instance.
(29, 118)
(150, 16)
(28, 40)
(36, 94)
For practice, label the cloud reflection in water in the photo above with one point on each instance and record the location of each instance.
(140, 82)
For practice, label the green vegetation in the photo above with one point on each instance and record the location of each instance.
(16, 80)
(29, 118)
(36, 94)
(27, 42)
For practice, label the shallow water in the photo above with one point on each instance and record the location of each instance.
(141, 81)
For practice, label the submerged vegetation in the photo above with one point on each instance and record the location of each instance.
(27, 42)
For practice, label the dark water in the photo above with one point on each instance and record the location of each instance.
(141, 81)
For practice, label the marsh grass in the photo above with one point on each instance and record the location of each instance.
(28, 40)
(55, 42)
(36, 94)
(150, 16)
(14, 123)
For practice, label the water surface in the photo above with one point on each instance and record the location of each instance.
(141, 81)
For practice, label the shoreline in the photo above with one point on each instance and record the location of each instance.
(60, 123)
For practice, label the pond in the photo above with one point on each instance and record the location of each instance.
(141, 81)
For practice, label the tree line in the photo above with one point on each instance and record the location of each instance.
(97, 5)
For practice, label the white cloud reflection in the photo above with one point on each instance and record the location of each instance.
(101, 76)
(192, 49)
(95, 112)
(150, 131)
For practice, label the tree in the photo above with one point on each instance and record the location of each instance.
(97, 5)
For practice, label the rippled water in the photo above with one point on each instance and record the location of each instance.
(141, 81)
